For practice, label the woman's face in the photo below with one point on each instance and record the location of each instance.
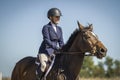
(55, 19)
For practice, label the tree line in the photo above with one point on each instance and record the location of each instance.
(109, 68)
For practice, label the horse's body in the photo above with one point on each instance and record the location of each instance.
(28, 72)
(71, 58)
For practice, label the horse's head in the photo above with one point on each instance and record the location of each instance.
(90, 42)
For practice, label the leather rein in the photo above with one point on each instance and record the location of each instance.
(75, 53)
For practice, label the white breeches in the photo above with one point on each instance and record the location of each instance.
(43, 60)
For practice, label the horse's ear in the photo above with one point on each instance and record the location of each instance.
(91, 27)
(80, 26)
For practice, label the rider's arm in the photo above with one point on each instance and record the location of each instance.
(61, 41)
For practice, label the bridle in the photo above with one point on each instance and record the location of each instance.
(93, 47)
(80, 53)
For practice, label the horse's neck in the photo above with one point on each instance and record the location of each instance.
(72, 65)
(73, 61)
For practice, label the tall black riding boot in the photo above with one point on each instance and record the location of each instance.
(40, 74)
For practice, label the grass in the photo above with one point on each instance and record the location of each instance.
(5, 78)
(117, 78)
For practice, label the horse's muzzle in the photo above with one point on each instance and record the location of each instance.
(101, 53)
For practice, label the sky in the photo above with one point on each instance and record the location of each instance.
(21, 22)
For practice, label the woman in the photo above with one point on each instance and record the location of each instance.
(52, 38)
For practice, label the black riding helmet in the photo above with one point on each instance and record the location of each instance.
(54, 12)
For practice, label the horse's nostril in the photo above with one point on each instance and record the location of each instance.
(102, 50)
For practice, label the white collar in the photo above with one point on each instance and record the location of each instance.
(54, 26)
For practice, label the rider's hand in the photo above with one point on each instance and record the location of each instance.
(57, 51)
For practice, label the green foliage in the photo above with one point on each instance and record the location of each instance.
(89, 69)
(99, 70)
(109, 63)
(117, 68)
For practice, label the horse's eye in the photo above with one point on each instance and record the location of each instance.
(85, 34)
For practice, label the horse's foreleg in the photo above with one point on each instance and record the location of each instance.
(78, 78)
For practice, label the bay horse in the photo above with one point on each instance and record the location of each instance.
(71, 57)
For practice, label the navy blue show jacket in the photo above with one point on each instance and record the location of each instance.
(51, 39)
